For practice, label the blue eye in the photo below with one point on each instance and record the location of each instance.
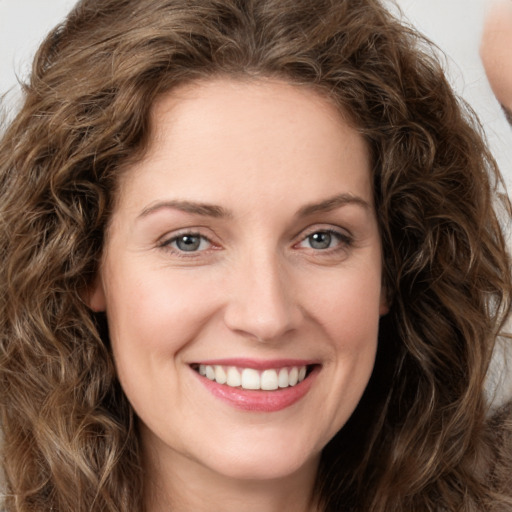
(189, 242)
(320, 240)
(325, 239)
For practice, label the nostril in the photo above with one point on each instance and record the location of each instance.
(261, 305)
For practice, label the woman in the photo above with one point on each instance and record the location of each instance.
(250, 259)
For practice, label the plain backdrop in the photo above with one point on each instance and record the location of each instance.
(454, 25)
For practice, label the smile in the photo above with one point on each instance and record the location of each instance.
(257, 386)
(251, 379)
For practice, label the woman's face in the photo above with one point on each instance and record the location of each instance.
(241, 279)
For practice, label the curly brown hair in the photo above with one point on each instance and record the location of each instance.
(420, 438)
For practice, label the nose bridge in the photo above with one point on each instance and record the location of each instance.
(262, 302)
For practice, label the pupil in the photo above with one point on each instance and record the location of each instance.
(188, 243)
(320, 240)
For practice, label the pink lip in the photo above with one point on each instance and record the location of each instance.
(259, 400)
(257, 364)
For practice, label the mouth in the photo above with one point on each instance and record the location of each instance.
(252, 379)
(258, 385)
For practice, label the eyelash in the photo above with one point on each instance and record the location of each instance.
(167, 244)
(344, 242)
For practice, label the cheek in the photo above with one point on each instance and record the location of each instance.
(348, 305)
(153, 317)
(151, 320)
(349, 313)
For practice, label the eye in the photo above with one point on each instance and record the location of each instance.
(320, 240)
(325, 239)
(188, 242)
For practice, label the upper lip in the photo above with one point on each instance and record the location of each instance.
(257, 364)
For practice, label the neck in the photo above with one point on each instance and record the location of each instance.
(183, 485)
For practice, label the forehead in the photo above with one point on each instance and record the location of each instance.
(261, 137)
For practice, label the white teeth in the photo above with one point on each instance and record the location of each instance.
(210, 373)
(249, 378)
(220, 375)
(234, 378)
(283, 378)
(293, 376)
(269, 380)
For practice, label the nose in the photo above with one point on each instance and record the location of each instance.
(262, 302)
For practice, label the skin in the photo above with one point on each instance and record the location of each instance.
(495, 51)
(262, 152)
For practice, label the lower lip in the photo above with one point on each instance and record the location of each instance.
(260, 400)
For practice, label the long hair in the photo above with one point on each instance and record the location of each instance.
(419, 438)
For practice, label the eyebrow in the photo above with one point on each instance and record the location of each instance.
(215, 211)
(332, 203)
(203, 209)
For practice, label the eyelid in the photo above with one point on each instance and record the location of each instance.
(345, 238)
(324, 228)
(166, 240)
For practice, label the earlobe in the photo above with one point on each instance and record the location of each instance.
(384, 304)
(96, 295)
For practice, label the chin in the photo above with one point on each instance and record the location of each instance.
(258, 462)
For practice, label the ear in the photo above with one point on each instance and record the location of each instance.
(95, 297)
